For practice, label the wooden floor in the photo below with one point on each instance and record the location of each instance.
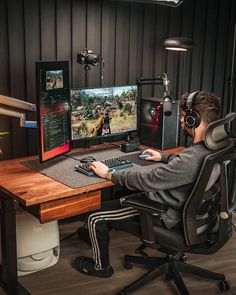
(62, 279)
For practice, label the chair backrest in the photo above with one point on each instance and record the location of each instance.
(207, 216)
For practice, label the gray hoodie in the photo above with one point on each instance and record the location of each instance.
(169, 182)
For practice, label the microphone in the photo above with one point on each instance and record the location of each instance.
(167, 100)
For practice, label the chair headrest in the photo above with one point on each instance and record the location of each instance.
(217, 133)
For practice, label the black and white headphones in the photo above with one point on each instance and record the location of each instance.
(192, 117)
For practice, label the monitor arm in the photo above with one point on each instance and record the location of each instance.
(17, 108)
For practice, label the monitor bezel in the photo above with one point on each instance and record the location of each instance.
(90, 141)
(51, 66)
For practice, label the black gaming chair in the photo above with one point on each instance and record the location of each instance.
(207, 218)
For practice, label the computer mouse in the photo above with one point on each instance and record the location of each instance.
(144, 156)
(87, 159)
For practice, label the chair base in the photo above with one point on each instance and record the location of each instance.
(170, 267)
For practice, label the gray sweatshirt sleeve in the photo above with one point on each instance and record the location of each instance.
(181, 170)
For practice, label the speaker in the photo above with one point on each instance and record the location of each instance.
(156, 129)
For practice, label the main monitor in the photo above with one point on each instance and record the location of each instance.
(103, 112)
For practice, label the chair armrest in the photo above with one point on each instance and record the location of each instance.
(146, 208)
(141, 202)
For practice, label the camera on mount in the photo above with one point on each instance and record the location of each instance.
(88, 57)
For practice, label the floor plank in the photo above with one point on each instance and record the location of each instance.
(63, 279)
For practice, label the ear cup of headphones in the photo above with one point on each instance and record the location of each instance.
(192, 117)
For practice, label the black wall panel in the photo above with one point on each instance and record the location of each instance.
(5, 123)
(48, 30)
(129, 37)
(93, 38)
(149, 44)
(32, 53)
(17, 68)
(108, 42)
(78, 42)
(135, 43)
(122, 43)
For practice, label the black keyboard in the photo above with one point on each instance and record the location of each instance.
(115, 163)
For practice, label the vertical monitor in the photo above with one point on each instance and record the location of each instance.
(53, 109)
(101, 112)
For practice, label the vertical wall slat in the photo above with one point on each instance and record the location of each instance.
(188, 22)
(162, 28)
(94, 39)
(5, 122)
(199, 38)
(32, 54)
(48, 30)
(63, 30)
(108, 42)
(221, 49)
(136, 43)
(122, 44)
(78, 41)
(174, 57)
(149, 43)
(17, 70)
(229, 98)
(210, 44)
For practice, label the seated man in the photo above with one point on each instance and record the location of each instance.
(170, 182)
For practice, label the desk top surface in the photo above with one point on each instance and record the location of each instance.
(30, 187)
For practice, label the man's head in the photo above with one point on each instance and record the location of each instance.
(198, 108)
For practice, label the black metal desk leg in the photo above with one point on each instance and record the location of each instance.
(9, 279)
(8, 243)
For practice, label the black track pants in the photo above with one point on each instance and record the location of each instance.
(112, 215)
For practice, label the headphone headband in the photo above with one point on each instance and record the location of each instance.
(192, 118)
(189, 101)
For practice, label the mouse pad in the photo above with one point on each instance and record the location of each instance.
(62, 169)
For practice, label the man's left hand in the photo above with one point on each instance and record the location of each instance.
(99, 169)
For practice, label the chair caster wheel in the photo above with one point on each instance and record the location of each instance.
(183, 258)
(128, 265)
(223, 285)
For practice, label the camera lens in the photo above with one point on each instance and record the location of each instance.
(92, 59)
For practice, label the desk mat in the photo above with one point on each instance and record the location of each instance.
(62, 170)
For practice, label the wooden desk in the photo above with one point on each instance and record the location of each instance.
(43, 197)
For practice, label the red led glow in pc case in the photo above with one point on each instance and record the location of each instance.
(156, 129)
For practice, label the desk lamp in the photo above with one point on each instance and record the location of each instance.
(172, 3)
(180, 44)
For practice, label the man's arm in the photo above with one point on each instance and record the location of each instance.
(158, 156)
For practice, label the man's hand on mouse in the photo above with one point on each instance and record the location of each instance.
(155, 155)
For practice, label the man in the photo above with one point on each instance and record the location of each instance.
(170, 182)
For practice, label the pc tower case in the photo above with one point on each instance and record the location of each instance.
(156, 129)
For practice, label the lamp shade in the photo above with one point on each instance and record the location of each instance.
(173, 3)
(178, 44)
